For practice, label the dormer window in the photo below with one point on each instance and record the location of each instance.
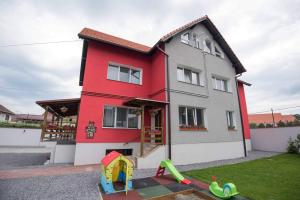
(207, 45)
(185, 38)
(218, 52)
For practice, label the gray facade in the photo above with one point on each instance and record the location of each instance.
(215, 102)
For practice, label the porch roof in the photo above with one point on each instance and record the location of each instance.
(55, 106)
(145, 102)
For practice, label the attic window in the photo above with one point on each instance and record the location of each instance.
(207, 45)
(185, 38)
(196, 41)
(218, 52)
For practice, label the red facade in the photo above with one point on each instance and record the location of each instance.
(98, 91)
(244, 111)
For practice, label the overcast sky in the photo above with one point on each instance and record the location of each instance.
(265, 35)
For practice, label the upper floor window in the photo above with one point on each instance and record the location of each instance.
(124, 74)
(230, 120)
(221, 84)
(120, 117)
(207, 45)
(191, 117)
(188, 76)
(218, 52)
(185, 38)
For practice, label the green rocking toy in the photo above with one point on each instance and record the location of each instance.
(229, 190)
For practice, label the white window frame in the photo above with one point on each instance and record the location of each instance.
(233, 119)
(225, 83)
(199, 73)
(128, 67)
(184, 40)
(115, 117)
(221, 54)
(194, 115)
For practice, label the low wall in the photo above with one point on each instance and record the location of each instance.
(19, 137)
(272, 139)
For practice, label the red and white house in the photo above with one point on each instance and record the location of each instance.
(128, 90)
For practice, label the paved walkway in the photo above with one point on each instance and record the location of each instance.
(138, 173)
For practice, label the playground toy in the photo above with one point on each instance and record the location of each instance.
(229, 190)
(171, 168)
(116, 173)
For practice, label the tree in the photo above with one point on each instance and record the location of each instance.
(253, 125)
(269, 125)
(261, 125)
(281, 124)
(297, 116)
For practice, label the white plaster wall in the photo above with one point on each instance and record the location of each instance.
(19, 136)
(183, 154)
(273, 139)
(64, 153)
(153, 159)
(92, 153)
(248, 144)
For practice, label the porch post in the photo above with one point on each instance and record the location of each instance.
(162, 124)
(44, 124)
(143, 130)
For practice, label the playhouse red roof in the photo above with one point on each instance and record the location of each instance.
(109, 158)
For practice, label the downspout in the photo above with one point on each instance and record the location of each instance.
(168, 96)
(241, 116)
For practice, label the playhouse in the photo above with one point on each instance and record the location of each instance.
(116, 173)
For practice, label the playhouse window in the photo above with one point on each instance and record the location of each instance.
(124, 74)
(120, 117)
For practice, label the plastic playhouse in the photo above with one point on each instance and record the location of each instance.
(229, 190)
(167, 164)
(116, 173)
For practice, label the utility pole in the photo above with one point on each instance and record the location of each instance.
(273, 118)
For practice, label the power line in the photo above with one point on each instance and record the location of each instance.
(38, 43)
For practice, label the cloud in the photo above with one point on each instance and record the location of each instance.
(263, 34)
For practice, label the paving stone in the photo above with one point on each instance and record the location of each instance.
(154, 191)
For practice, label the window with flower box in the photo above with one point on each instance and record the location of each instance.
(191, 118)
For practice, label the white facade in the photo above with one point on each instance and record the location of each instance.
(5, 117)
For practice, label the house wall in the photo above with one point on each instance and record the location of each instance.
(3, 117)
(273, 139)
(215, 102)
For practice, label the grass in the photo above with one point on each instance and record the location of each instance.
(274, 178)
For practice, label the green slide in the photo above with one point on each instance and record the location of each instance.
(167, 164)
(229, 190)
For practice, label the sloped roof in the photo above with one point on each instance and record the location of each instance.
(3, 109)
(268, 119)
(88, 33)
(109, 158)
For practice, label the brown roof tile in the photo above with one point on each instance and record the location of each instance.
(268, 119)
(5, 110)
(103, 37)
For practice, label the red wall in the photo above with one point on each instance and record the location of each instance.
(244, 110)
(95, 80)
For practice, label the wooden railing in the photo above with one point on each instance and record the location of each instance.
(153, 136)
(54, 132)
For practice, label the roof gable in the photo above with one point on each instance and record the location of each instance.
(3, 109)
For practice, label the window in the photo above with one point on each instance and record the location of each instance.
(207, 45)
(120, 117)
(191, 117)
(124, 74)
(188, 76)
(218, 52)
(220, 84)
(230, 119)
(185, 38)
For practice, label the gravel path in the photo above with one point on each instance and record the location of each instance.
(17, 160)
(67, 187)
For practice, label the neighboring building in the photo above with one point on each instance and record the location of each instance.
(28, 118)
(268, 118)
(178, 99)
(5, 114)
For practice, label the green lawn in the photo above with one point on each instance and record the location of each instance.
(273, 178)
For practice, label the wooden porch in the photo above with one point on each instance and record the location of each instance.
(64, 113)
(153, 135)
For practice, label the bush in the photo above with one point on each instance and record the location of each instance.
(261, 125)
(269, 125)
(253, 125)
(294, 145)
(18, 125)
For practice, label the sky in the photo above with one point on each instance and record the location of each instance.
(265, 35)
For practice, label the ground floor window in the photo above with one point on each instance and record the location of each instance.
(191, 117)
(230, 120)
(120, 117)
(125, 152)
